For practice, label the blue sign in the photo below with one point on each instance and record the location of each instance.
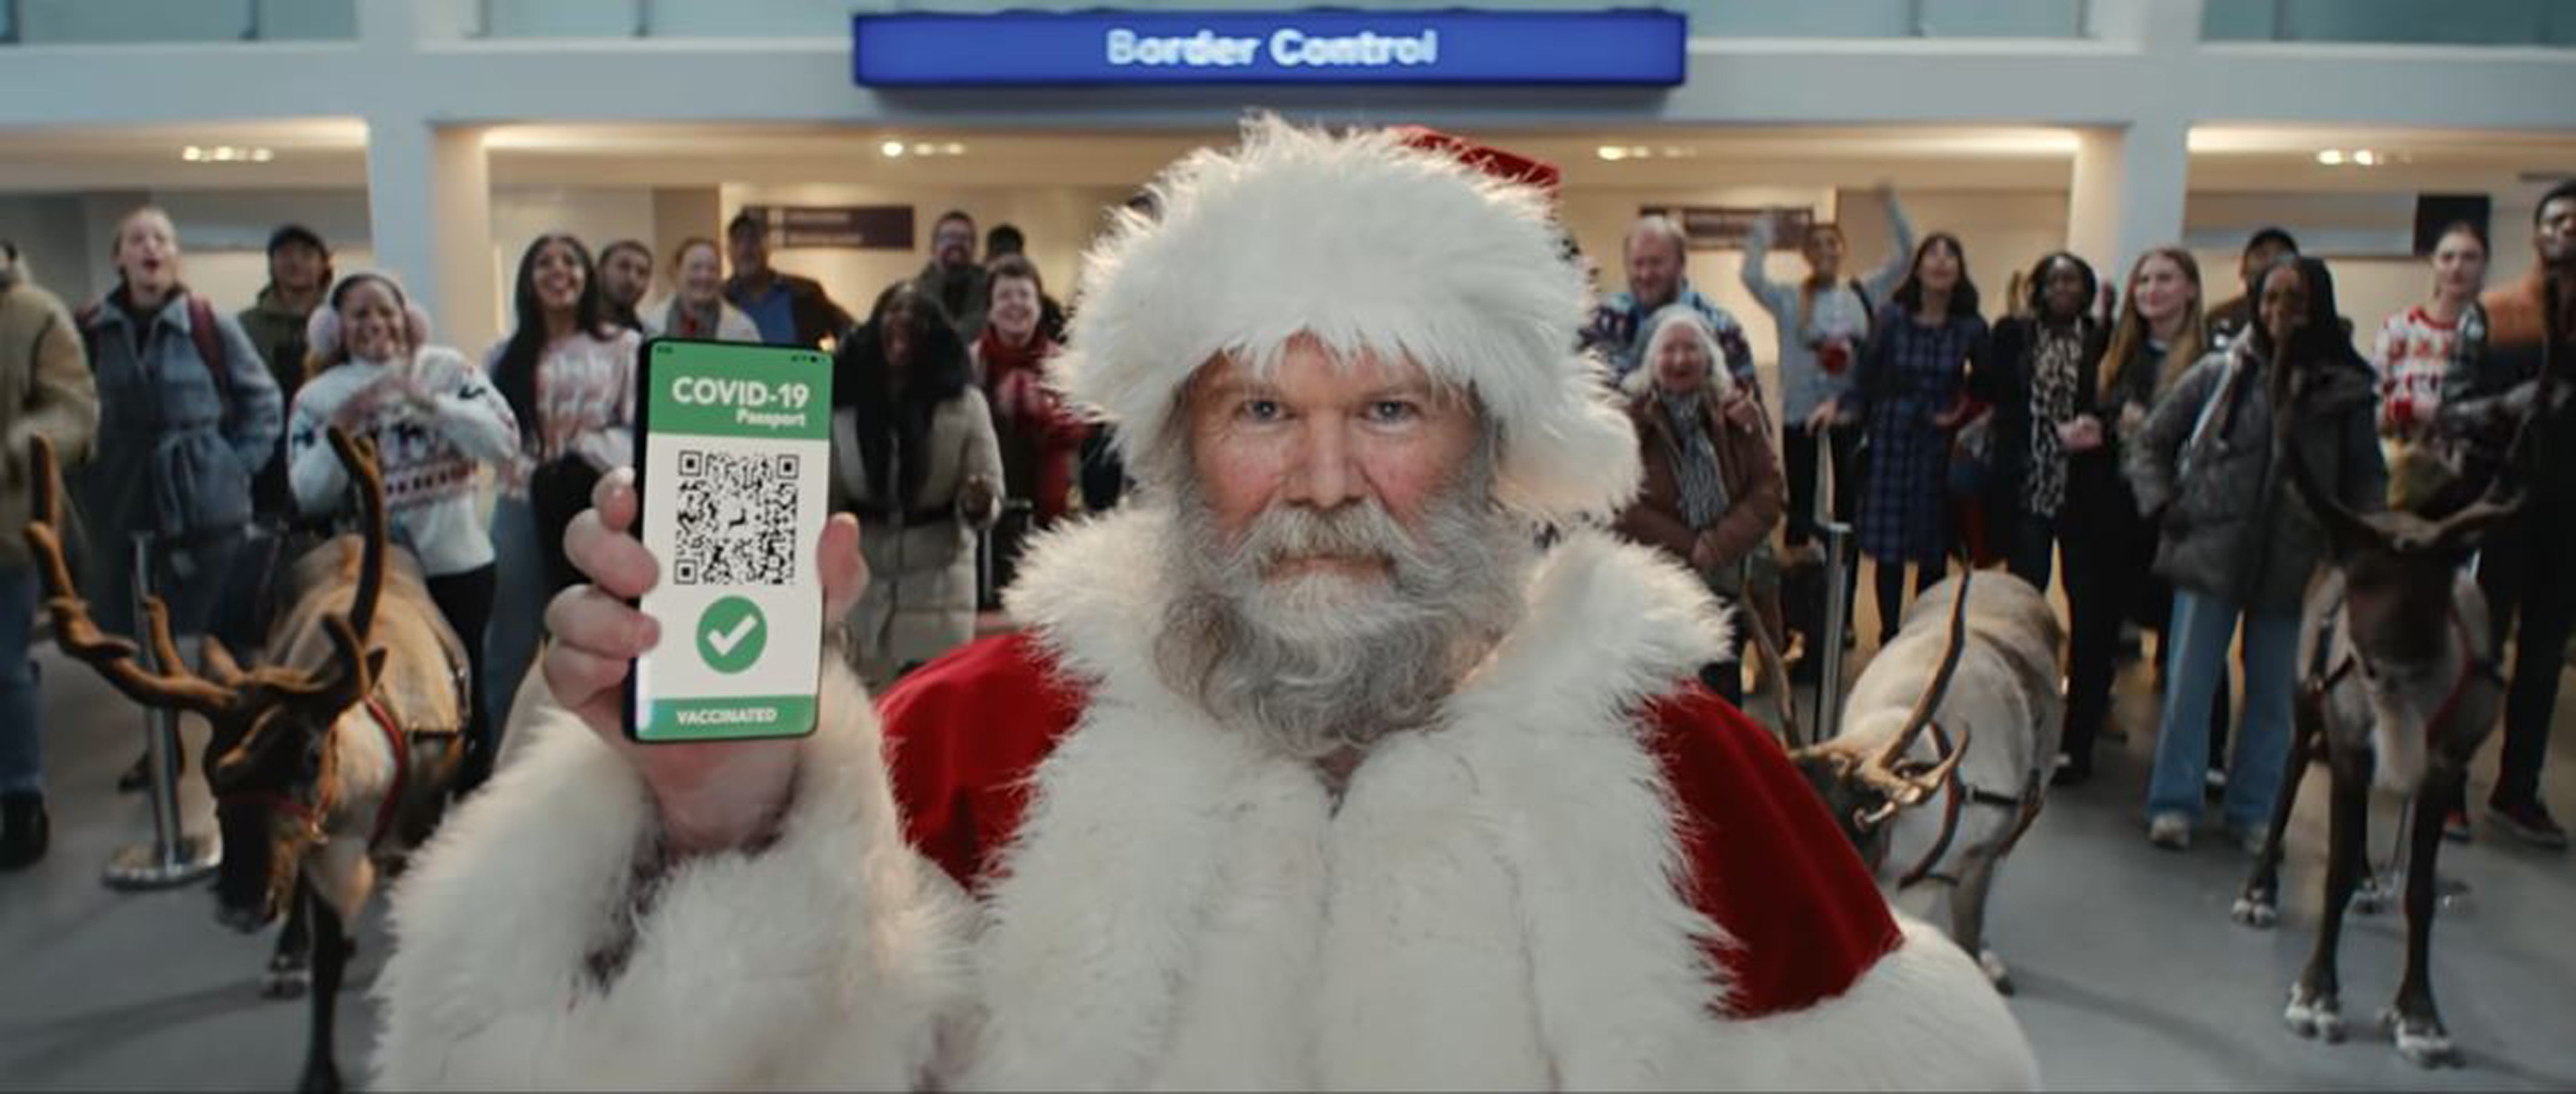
(1634, 47)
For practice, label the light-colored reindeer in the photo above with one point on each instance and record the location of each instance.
(1991, 673)
(2401, 687)
(329, 759)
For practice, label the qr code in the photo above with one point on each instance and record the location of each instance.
(736, 519)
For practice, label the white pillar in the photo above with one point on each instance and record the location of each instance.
(429, 211)
(2127, 193)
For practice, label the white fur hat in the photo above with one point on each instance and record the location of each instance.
(1365, 243)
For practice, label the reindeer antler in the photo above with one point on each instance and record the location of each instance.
(79, 636)
(1883, 770)
(358, 456)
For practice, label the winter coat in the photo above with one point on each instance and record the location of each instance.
(1755, 494)
(45, 391)
(176, 447)
(920, 600)
(2232, 527)
(278, 331)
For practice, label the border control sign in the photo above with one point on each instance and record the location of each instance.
(1635, 47)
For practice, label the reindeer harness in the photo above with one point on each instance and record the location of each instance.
(1955, 795)
(2324, 677)
(397, 743)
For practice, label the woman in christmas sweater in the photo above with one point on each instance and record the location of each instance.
(435, 420)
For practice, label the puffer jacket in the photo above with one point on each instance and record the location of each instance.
(176, 448)
(45, 391)
(2232, 527)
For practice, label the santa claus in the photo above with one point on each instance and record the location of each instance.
(1307, 771)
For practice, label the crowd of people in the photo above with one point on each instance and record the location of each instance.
(2124, 429)
(196, 452)
(2120, 428)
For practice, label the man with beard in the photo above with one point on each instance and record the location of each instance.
(625, 279)
(953, 277)
(1308, 771)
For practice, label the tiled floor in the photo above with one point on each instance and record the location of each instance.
(2131, 975)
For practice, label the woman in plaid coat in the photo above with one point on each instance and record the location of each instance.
(1911, 394)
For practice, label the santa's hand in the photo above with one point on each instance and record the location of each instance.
(712, 795)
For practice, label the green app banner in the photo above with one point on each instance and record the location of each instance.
(719, 719)
(740, 391)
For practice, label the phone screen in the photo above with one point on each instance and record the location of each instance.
(733, 446)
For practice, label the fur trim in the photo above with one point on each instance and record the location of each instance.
(1924, 1018)
(1185, 909)
(827, 960)
(1365, 244)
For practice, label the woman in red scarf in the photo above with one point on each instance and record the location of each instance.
(1039, 437)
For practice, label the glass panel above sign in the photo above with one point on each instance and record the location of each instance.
(1633, 47)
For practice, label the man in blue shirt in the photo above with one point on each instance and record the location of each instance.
(789, 310)
(1658, 256)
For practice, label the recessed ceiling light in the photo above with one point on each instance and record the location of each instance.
(2366, 158)
(1610, 152)
(891, 148)
(261, 155)
(2332, 157)
(192, 154)
(952, 149)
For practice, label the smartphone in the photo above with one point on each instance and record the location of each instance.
(732, 449)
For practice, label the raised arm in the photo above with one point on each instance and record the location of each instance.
(1881, 284)
(467, 408)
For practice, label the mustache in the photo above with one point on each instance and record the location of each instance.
(1363, 530)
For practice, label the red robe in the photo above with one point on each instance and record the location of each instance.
(964, 733)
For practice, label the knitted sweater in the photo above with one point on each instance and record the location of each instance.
(585, 401)
(429, 454)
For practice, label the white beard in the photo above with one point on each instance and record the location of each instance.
(1325, 661)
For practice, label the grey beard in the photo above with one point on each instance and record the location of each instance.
(1318, 664)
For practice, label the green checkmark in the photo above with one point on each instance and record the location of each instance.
(730, 634)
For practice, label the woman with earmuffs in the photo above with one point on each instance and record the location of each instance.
(436, 421)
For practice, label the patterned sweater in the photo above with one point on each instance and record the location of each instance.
(429, 453)
(585, 398)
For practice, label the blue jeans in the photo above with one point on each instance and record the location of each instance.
(2202, 626)
(518, 609)
(22, 759)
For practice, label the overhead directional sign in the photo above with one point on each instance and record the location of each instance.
(1633, 47)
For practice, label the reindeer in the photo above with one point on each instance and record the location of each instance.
(2401, 685)
(326, 761)
(1996, 674)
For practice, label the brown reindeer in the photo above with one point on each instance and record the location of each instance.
(2401, 687)
(328, 759)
